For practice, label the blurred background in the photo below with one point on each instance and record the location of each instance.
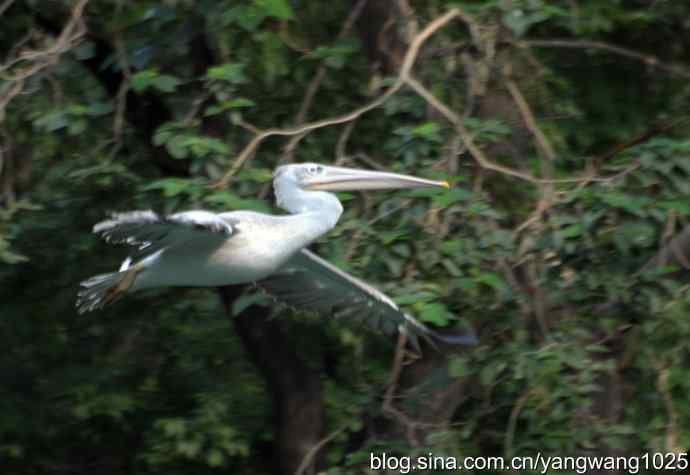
(564, 240)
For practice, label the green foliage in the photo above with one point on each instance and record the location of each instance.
(160, 382)
(336, 56)
(203, 438)
(74, 117)
(151, 78)
(183, 143)
(8, 231)
(230, 72)
(276, 8)
(251, 16)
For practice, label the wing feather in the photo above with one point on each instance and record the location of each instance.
(150, 231)
(309, 281)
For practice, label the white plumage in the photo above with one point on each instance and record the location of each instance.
(205, 249)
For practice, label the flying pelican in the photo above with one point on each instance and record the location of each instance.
(205, 249)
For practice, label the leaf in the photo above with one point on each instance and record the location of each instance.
(188, 448)
(635, 234)
(493, 280)
(274, 60)
(428, 192)
(633, 204)
(151, 78)
(256, 174)
(388, 237)
(172, 186)
(489, 129)
(215, 458)
(488, 374)
(163, 134)
(452, 247)
(166, 83)
(8, 256)
(459, 367)
(574, 230)
(231, 104)
(452, 195)
(276, 8)
(99, 108)
(336, 56)
(245, 301)
(142, 79)
(520, 21)
(52, 121)
(86, 50)
(682, 206)
(176, 146)
(12, 450)
(427, 130)
(77, 126)
(230, 72)
(172, 426)
(414, 298)
(231, 201)
(435, 313)
(200, 146)
(247, 17)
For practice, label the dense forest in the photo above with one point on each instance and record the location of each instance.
(563, 241)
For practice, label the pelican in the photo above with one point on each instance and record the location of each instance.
(204, 249)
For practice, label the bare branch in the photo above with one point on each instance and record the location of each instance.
(530, 121)
(341, 146)
(404, 78)
(309, 457)
(410, 57)
(5, 5)
(656, 129)
(16, 70)
(315, 84)
(71, 33)
(387, 406)
(316, 81)
(118, 123)
(647, 59)
(479, 156)
(663, 386)
(512, 421)
(7, 94)
(251, 147)
(467, 138)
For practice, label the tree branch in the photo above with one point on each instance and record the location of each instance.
(388, 408)
(647, 59)
(5, 5)
(16, 70)
(410, 57)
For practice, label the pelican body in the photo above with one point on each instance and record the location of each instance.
(205, 249)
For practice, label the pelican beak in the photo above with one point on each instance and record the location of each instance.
(350, 179)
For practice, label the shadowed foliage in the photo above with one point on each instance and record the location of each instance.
(564, 240)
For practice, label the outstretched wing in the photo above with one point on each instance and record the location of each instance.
(308, 281)
(150, 231)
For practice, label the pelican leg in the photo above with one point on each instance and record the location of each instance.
(122, 286)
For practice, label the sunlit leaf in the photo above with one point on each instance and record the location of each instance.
(276, 8)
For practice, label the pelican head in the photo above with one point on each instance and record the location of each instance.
(305, 187)
(316, 177)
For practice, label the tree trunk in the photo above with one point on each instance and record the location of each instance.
(295, 387)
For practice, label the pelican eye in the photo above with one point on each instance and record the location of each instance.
(315, 169)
